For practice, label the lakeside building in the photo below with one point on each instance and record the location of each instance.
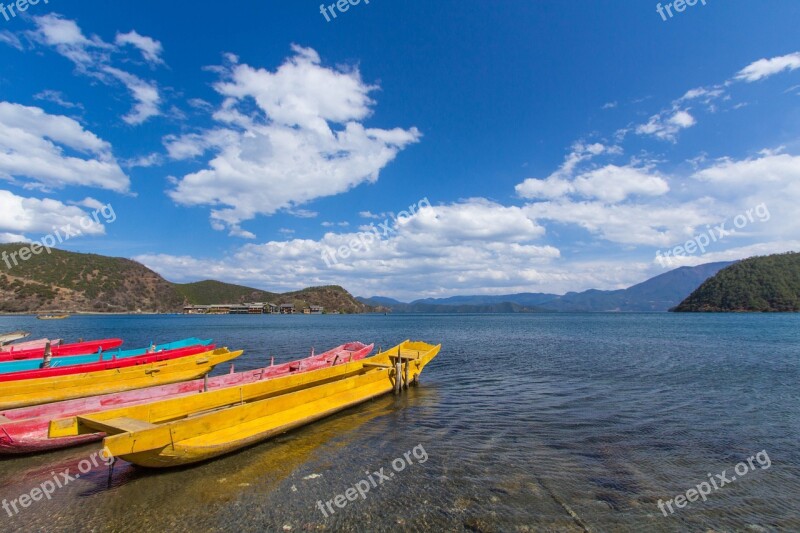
(256, 308)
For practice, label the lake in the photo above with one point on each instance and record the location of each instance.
(559, 422)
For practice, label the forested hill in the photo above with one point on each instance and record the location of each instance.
(763, 284)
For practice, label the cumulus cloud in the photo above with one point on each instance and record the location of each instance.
(32, 215)
(460, 246)
(609, 183)
(34, 146)
(304, 139)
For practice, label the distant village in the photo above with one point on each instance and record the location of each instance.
(257, 308)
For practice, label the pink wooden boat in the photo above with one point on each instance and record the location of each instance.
(25, 430)
(29, 345)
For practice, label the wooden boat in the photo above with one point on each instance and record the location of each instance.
(12, 336)
(196, 428)
(96, 366)
(61, 350)
(52, 317)
(37, 391)
(60, 360)
(24, 430)
(29, 345)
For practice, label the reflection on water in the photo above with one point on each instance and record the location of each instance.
(535, 422)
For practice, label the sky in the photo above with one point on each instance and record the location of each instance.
(404, 149)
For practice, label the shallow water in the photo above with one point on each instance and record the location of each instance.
(559, 422)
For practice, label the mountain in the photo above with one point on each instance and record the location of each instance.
(70, 281)
(766, 284)
(657, 294)
(75, 282)
(216, 292)
(525, 299)
(417, 307)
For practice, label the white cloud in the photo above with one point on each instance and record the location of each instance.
(468, 245)
(92, 57)
(32, 215)
(11, 40)
(146, 95)
(764, 68)
(667, 125)
(150, 48)
(772, 168)
(303, 141)
(56, 97)
(612, 183)
(33, 143)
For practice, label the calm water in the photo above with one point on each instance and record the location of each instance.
(565, 422)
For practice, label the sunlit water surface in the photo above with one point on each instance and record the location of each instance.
(560, 422)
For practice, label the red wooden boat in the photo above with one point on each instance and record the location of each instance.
(165, 355)
(24, 430)
(62, 350)
(29, 345)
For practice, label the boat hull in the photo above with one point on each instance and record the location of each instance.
(24, 430)
(63, 350)
(27, 392)
(170, 433)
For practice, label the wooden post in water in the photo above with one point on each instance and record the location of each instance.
(398, 376)
(408, 362)
(48, 355)
(205, 383)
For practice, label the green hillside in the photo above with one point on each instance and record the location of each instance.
(81, 282)
(216, 292)
(90, 283)
(764, 284)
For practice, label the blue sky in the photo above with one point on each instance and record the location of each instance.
(547, 146)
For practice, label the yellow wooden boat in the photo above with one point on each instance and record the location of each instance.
(196, 428)
(37, 391)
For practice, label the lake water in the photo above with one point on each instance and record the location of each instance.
(547, 422)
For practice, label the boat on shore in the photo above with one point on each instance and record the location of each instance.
(28, 345)
(36, 391)
(14, 353)
(60, 361)
(188, 430)
(24, 430)
(12, 336)
(96, 366)
(52, 317)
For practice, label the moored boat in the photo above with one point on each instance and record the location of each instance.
(24, 430)
(52, 317)
(12, 336)
(60, 350)
(60, 360)
(196, 428)
(29, 345)
(21, 393)
(104, 364)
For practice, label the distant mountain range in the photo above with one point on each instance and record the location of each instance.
(658, 294)
(758, 284)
